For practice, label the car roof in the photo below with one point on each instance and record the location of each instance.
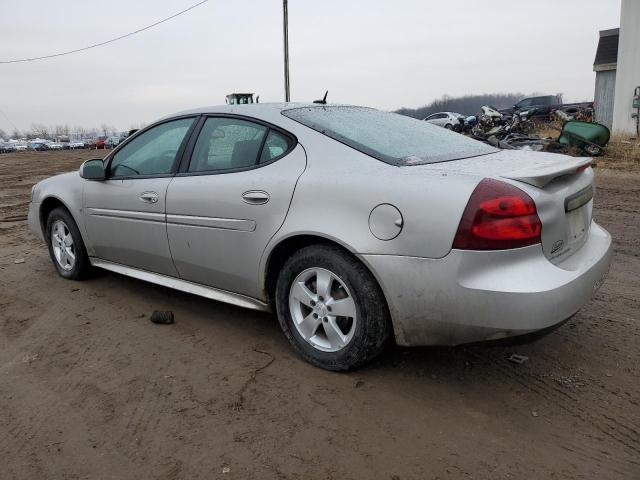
(253, 109)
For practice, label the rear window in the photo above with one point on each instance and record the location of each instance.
(389, 137)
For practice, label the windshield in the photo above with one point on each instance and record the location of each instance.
(389, 137)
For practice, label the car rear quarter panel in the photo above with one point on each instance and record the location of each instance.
(341, 186)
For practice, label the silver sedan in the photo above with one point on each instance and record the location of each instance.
(357, 226)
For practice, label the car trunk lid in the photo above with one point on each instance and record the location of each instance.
(542, 173)
(561, 187)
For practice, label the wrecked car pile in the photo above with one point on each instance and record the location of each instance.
(578, 135)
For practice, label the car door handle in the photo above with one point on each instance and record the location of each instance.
(255, 197)
(149, 197)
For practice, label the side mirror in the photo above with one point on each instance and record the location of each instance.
(93, 169)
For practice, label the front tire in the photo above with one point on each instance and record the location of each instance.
(66, 248)
(331, 308)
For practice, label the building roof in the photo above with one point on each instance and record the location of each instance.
(607, 53)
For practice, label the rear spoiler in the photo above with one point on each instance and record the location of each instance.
(541, 175)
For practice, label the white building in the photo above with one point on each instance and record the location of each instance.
(605, 66)
(628, 70)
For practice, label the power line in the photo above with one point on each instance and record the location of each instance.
(107, 41)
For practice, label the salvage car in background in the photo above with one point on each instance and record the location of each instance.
(100, 142)
(544, 106)
(7, 147)
(448, 120)
(112, 142)
(290, 207)
(39, 146)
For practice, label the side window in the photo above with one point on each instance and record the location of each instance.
(227, 143)
(152, 152)
(525, 103)
(275, 146)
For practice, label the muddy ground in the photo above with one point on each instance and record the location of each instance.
(90, 388)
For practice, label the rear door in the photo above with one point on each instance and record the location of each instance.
(125, 214)
(230, 199)
(432, 119)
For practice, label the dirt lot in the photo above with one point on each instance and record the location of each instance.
(89, 388)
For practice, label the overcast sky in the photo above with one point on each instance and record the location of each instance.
(383, 53)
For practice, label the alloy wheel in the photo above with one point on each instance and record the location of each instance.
(323, 310)
(62, 244)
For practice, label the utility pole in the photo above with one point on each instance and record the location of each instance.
(285, 20)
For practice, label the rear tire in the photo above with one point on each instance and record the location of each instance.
(448, 126)
(66, 248)
(331, 281)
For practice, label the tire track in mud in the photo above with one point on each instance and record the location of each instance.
(626, 436)
(145, 417)
(13, 443)
(76, 358)
(26, 429)
(38, 425)
(62, 376)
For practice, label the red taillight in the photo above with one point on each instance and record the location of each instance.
(498, 216)
(583, 168)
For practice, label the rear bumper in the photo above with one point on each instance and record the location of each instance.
(471, 296)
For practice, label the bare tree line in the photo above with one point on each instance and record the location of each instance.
(40, 130)
(466, 105)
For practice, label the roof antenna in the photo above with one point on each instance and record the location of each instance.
(324, 99)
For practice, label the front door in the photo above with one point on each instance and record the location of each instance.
(232, 198)
(125, 214)
(439, 119)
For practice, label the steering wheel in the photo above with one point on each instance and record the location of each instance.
(127, 166)
(160, 163)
